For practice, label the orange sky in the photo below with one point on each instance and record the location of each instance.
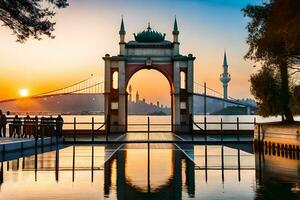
(87, 30)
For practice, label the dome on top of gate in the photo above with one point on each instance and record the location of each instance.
(149, 35)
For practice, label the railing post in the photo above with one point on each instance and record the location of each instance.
(221, 130)
(205, 155)
(222, 161)
(93, 134)
(205, 130)
(148, 128)
(239, 165)
(92, 175)
(74, 130)
(56, 133)
(238, 129)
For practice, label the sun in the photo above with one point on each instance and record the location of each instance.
(24, 93)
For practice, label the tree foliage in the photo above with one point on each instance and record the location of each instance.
(265, 87)
(30, 18)
(274, 41)
(274, 32)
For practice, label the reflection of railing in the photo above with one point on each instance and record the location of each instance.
(87, 162)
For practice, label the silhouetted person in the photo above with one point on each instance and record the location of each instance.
(59, 125)
(26, 127)
(16, 127)
(3, 123)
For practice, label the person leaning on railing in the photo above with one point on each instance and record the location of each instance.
(3, 123)
(59, 125)
(16, 127)
(26, 127)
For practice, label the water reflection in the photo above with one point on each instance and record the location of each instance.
(151, 171)
(278, 174)
(157, 175)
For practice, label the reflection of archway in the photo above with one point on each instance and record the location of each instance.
(170, 189)
(158, 88)
(160, 166)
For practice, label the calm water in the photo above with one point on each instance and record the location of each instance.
(155, 171)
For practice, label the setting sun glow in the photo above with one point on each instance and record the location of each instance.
(24, 92)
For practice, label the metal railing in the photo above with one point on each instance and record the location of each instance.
(221, 124)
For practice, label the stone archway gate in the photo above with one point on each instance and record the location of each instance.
(149, 50)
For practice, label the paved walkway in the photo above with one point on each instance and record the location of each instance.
(5, 140)
(16, 144)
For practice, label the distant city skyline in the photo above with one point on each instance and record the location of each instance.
(87, 30)
(135, 92)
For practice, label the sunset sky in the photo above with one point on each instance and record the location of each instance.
(88, 29)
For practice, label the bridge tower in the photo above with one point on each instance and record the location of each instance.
(225, 77)
(149, 50)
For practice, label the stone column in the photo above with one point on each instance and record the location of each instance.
(176, 96)
(190, 86)
(122, 97)
(107, 85)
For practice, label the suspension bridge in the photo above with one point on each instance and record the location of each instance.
(91, 85)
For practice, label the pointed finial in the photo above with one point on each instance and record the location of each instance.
(175, 28)
(225, 59)
(122, 27)
(149, 27)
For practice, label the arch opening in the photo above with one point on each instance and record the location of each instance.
(149, 94)
(182, 80)
(115, 80)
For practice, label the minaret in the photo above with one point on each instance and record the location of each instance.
(225, 77)
(175, 38)
(137, 97)
(130, 93)
(122, 34)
